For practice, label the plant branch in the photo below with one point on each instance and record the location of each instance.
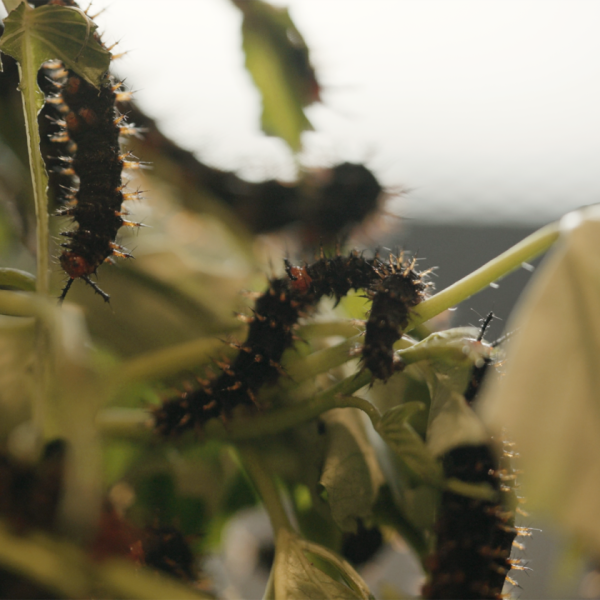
(529, 248)
(177, 358)
(265, 486)
(31, 105)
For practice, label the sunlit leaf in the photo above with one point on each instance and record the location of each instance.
(34, 36)
(278, 60)
(548, 399)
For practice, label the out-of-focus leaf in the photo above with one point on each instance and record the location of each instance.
(351, 474)
(16, 378)
(10, 5)
(296, 577)
(278, 60)
(548, 400)
(408, 445)
(17, 279)
(118, 457)
(387, 591)
(34, 36)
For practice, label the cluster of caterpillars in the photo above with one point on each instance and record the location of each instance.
(271, 331)
(475, 537)
(87, 130)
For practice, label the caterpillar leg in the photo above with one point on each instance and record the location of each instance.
(97, 289)
(65, 290)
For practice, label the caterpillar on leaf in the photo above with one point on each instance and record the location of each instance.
(271, 332)
(89, 131)
(475, 537)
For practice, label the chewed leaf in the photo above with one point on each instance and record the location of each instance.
(296, 577)
(351, 474)
(548, 398)
(34, 36)
(278, 60)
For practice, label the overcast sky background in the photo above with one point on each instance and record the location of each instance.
(485, 109)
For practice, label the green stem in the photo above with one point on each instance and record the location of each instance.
(308, 367)
(369, 409)
(32, 102)
(172, 360)
(529, 248)
(30, 96)
(169, 361)
(324, 360)
(265, 486)
(321, 361)
(335, 328)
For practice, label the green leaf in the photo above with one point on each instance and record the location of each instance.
(453, 423)
(408, 445)
(351, 474)
(548, 399)
(296, 577)
(34, 36)
(278, 60)
(10, 5)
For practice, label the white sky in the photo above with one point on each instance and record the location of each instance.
(483, 108)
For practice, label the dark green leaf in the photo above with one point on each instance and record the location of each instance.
(408, 445)
(351, 473)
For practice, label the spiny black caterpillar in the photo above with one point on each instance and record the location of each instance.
(400, 288)
(475, 537)
(276, 313)
(89, 128)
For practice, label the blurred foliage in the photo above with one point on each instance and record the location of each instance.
(345, 471)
